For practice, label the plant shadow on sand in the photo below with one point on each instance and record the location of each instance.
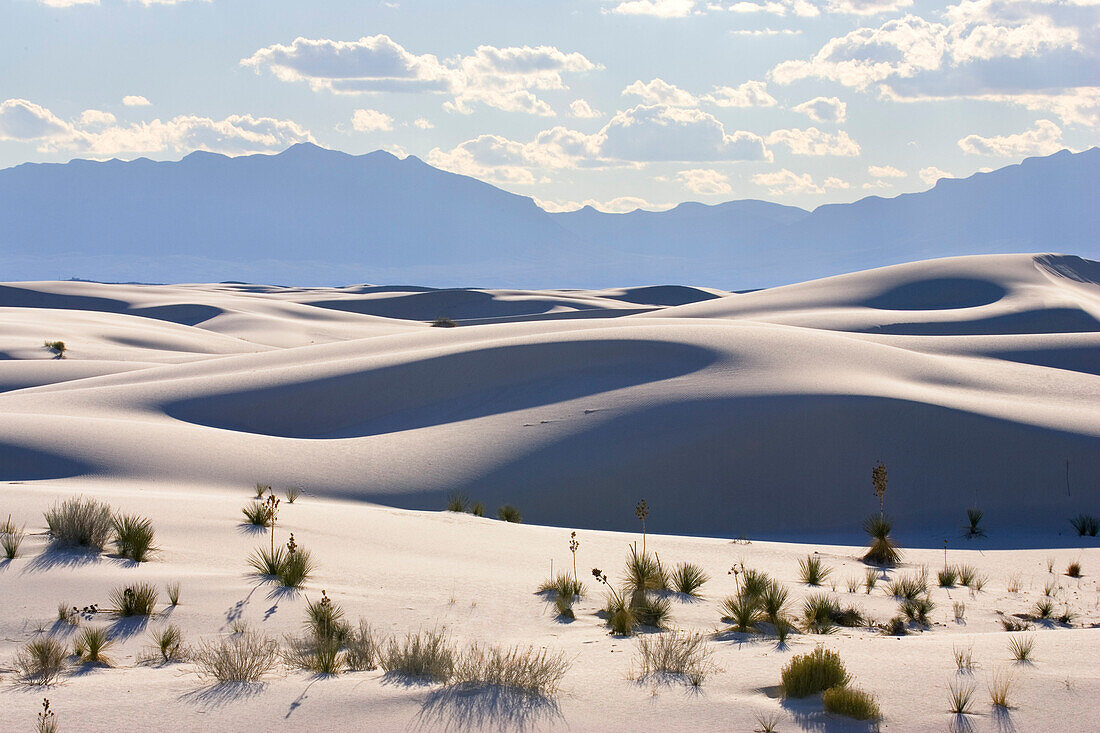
(55, 556)
(808, 713)
(486, 708)
(219, 694)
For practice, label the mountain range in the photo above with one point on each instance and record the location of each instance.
(318, 216)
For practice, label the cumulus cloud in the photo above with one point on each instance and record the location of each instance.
(823, 109)
(583, 110)
(801, 8)
(766, 32)
(135, 100)
(704, 181)
(783, 182)
(813, 141)
(422, 124)
(371, 120)
(931, 174)
(497, 77)
(617, 205)
(1043, 139)
(749, 94)
(664, 133)
(95, 133)
(659, 91)
(886, 171)
(834, 182)
(658, 8)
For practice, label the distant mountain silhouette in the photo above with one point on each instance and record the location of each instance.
(314, 216)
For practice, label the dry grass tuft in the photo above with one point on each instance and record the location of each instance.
(851, 702)
(526, 669)
(427, 654)
(80, 522)
(682, 653)
(41, 661)
(813, 672)
(245, 657)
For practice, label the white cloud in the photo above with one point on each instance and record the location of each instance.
(783, 181)
(749, 94)
(583, 110)
(618, 205)
(931, 174)
(1043, 139)
(767, 32)
(823, 109)
(659, 8)
(422, 124)
(659, 91)
(704, 181)
(663, 133)
(886, 171)
(97, 135)
(834, 182)
(67, 3)
(800, 8)
(866, 7)
(813, 141)
(879, 184)
(135, 100)
(371, 120)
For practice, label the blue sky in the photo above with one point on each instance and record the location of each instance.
(616, 103)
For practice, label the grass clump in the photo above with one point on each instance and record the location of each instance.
(960, 696)
(964, 657)
(895, 627)
(134, 600)
(644, 572)
(292, 494)
(478, 509)
(1022, 646)
(967, 575)
(917, 609)
(974, 520)
(812, 572)
(687, 578)
(909, 587)
(47, 721)
(290, 566)
(1086, 524)
(851, 702)
(1044, 608)
(173, 590)
(509, 513)
(947, 577)
(168, 643)
(882, 551)
(80, 522)
(443, 323)
(245, 657)
(261, 489)
(361, 648)
(818, 611)
(1000, 687)
(41, 661)
(960, 611)
(11, 539)
(458, 502)
(325, 620)
(57, 347)
(686, 654)
(1073, 570)
(564, 588)
(257, 514)
(813, 672)
(427, 654)
(742, 612)
(133, 536)
(91, 645)
(525, 669)
(1011, 624)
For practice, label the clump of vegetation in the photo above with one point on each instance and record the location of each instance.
(909, 586)
(168, 643)
(960, 611)
(882, 551)
(361, 648)
(1010, 624)
(256, 513)
(967, 575)
(818, 611)
(1044, 608)
(680, 653)
(974, 519)
(742, 611)
(895, 627)
(325, 619)
(173, 590)
(138, 599)
(458, 502)
(262, 489)
(80, 522)
(57, 347)
(11, 538)
(133, 536)
(244, 657)
(1074, 570)
(964, 657)
(870, 580)
(292, 494)
(526, 669)
(563, 588)
(41, 661)
(947, 577)
(917, 609)
(1000, 687)
(620, 615)
(768, 721)
(428, 654)
(47, 721)
(813, 672)
(644, 572)
(443, 323)
(812, 572)
(1022, 646)
(960, 697)
(91, 645)
(291, 566)
(686, 579)
(509, 513)
(478, 509)
(1086, 524)
(851, 702)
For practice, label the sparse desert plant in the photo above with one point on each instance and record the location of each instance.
(1051, 588)
(267, 563)
(325, 620)
(244, 657)
(361, 648)
(1000, 688)
(563, 584)
(742, 612)
(882, 551)
(1050, 565)
(917, 609)
(651, 611)
(1067, 615)
(134, 600)
(41, 661)
(816, 671)
(682, 653)
(509, 513)
(527, 669)
(896, 627)
(173, 591)
(769, 721)
(261, 489)
(564, 607)
(782, 628)
(870, 580)
(443, 323)
(57, 347)
(947, 577)
(851, 702)
(1011, 624)
(960, 611)
(133, 536)
(68, 614)
(908, 586)
(960, 695)
(854, 584)
(641, 511)
(47, 721)
(974, 519)
(687, 578)
(457, 502)
(10, 541)
(290, 566)
(80, 522)
(1073, 570)
(1044, 608)
(774, 601)
(754, 583)
(818, 611)
(91, 645)
(977, 584)
(964, 657)
(811, 571)
(7, 526)
(292, 494)
(620, 617)
(428, 654)
(1013, 584)
(256, 513)
(478, 509)
(168, 642)
(644, 572)
(1086, 524)
(1022, 646)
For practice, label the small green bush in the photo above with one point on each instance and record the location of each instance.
(851, 703)
(813, 672)
(244, 657)
(443, 323)
(133, 536)
(742, 612)
(818, 611)
(974, 519)
(811, 570)
(478, 509)
(908, 586)
(11, 540)
(290, 567)
(457, 502)
(882, 551)
(947, 577)
(91, 645)
(361, 648)
(138, 599)
(651, 610)
(428, 654)
(644, 573)
(292, 494)
(57, 347)
(509, 513)
(754, 583)
(687, 578)
(1086, 524)
(324, 620)
(1074, 570)
(168, 642)
(80, 522)
(774, 601)
(917, 609)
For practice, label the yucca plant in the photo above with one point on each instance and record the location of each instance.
(138, 599)
(292, 494)
(687, 578)
(812, 572)
(917, 609)
(168, 642)
(11, 540)
(324, 620)
(133, 536)
(41, 661)
(908, 586)
(882, 551)
(974, 518)
(742, 612)
(774, 601)
(1021, 646)
(261, 489)
(960, 697)
(620, 617)
(256, 513)
(818, 611)
(91, 645)
(1086, 524)
(173, 590)
(967, 575)
(644, 572)
(754, 583)
(947, 577)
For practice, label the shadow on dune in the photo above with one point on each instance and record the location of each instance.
(186, 314)
(486, 708)
(945, 293)
(1084, 359)
(222, 693)
(55, 556)
(444, 389)
(1044, 320)
(33, 464)
(458, 304)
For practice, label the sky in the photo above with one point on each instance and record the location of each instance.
(619, 104)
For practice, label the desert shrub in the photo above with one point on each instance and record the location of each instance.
(1011, 624)
(686, 579)
(57, 347)
(870, 580)
(457, 502)
(742, 612)
(173, 590)
(80, 522)
(782, 628)
(768, 721)
(133, 536)
(882, 550)
(1021, 646)
(851, 702)
(947, 577)
(443, 323)
(967, 575)
(644, 573)
(1013, 584)
(651, 610)
(267, 562)
(527, 669)
(1000, 687)
(1044, 608)
(563, 584)
(811, 570)
(290, 566)
(257, 514)
(896, 627)
(292, 494)
(261, 489)
(91, 644)
(322, 656)
(134, 600)
(960, 695)
(620, 617)
(10, 541)
(1067, 615)
(245, 657)
(1074, 570)
(774, 601)
(427, 654)
(917, 609)
(564, 606)
(41, 661)
(754, 583)
(325, 620)
(68, 614)
(964, 657)
(854, 584)
(816, 671)
(46, 721)
(678, 653)
(818, 611)
(361, 648)
(908, 586)
(168, 643)
(849, 617)
(509, 513)
(974, 519)
(478, 509)
(1086, 524)
(1051, 587)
